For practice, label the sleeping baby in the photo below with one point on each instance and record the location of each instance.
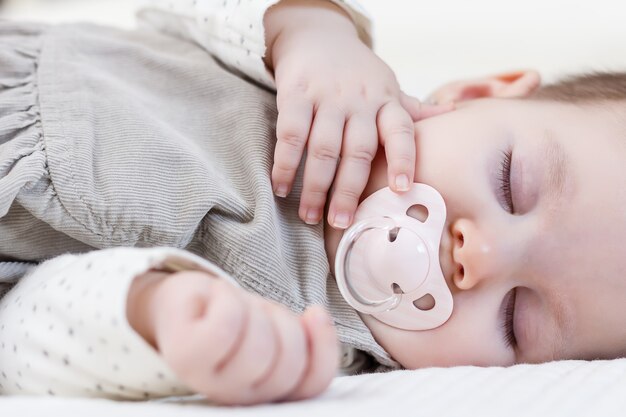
(169, 225)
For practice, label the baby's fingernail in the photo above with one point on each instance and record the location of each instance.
(402, 182)
(312, 216)
(342, 220)
(281, 190)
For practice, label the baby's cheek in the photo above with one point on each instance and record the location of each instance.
(454, 346)
(472, 336)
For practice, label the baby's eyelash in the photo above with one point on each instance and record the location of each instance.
(507, 324)
(505, 180)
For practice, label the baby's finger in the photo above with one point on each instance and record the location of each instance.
(214, 313)
(225, 319)
(396, 132)
(292, 132)
(420, 111)
(291, 359)
(359, 149)
(323, 354)
(323, 152)
(251, 362)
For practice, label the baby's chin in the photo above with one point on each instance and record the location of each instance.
(387, 337)
(414, 349)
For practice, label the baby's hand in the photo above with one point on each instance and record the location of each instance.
(236, 347)
(338, 100)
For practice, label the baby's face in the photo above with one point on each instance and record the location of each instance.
(536, 274)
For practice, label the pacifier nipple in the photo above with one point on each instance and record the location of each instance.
(387, 263)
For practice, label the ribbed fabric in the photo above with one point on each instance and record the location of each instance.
(114, 138)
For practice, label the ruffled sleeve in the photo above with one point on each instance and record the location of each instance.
(24, 166)
(22, 157)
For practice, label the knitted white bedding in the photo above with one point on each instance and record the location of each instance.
(567, 388)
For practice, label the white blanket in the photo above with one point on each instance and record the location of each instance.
(567, 388)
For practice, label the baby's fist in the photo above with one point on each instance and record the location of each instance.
(238, 348)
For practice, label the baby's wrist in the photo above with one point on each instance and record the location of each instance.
(140, 304)
(290, 17)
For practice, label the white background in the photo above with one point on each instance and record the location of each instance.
(429, 42)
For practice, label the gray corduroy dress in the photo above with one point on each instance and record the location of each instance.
(111, 138)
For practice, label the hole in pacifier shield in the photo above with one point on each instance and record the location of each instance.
(425, 303)
(418, 212)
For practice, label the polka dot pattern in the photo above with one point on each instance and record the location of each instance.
(232, 30)
(63, 327)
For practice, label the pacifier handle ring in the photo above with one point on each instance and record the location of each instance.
(342, 269)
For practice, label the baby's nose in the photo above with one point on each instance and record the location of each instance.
(474, 255)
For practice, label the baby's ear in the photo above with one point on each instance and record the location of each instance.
(506, 85)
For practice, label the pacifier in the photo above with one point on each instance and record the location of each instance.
(387, 262)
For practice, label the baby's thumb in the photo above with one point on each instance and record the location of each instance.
(420, 111)
(323, 354)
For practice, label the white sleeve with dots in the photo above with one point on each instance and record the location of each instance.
(63, 327)
(232, 30)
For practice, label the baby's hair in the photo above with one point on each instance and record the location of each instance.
(595, 86)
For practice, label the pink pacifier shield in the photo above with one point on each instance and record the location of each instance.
(388, 260)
